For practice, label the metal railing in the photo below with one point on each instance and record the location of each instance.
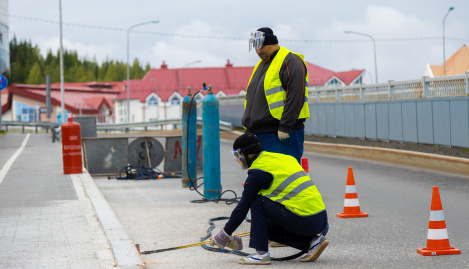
(392, 90)
(30, 125)
(419, 88)
(145, 126)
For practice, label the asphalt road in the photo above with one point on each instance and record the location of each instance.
(160, 213)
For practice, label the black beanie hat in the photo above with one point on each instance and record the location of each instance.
(248, 143)
(270, 38)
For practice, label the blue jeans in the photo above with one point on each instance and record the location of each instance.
(292, 146)
(272, 221)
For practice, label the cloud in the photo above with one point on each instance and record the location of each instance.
(87, 51)
(384, 24)
(178, 50)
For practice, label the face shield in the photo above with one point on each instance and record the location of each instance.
(239, 159)
(256, 40)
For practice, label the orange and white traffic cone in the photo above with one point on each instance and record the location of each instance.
(351, 205)
(437, 236)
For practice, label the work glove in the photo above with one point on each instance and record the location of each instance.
(222, 240)
(282, 135)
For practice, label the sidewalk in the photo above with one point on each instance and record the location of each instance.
(47, 219)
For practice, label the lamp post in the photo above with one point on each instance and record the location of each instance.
(194, 62)
(62, 90)
(374, 48)
(128, 78)
(179, 73)
(444, 57)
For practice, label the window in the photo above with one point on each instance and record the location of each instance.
(198, 97)
(152, 101)
(24, 112)
(334, 83)
(358, 81)
(175, 100)
(121, 111)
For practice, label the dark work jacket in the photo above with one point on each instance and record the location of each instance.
(255, 181)
(257, 118)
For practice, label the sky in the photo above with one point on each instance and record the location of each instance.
(408, 34)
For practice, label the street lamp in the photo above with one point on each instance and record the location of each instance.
(62, 90)
(374, 48)
(444, 57)
(128, 85)
(194, 62)
(179, 72)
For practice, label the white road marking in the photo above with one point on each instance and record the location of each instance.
(12, 159)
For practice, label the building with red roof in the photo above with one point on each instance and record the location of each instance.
(158, 95)
(28, 102)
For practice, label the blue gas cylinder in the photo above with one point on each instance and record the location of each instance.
(189, 140)
(211, 145)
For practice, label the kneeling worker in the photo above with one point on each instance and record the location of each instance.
(286, 207)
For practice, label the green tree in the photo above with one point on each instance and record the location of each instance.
(147, 69)
(35, 75)
(53, 70)
(24, 57)
(103, 70)
(135, 71)
(111, 74)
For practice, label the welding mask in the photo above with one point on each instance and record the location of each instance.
(239, 158)
(256, 41)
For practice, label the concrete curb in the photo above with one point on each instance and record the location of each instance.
(404, 157)
(124, 251)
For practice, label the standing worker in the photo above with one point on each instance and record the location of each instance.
(276, 105)
(285, 205)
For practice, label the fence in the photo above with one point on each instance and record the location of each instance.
(428, 110)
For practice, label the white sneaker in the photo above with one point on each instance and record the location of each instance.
(256, 259)
(274, 244)
(317, 247)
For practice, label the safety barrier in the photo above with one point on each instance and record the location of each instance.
(429, 111)
(30, 125)
(224, 126)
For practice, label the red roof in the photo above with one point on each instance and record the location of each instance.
(319, 76)
(164, 82)
(78, 97)
(229, 79)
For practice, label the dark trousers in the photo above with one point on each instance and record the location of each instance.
(292, 146)
(272, 221)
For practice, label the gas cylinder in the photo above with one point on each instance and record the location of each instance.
(189, 140)
(71, 147)
(211, 145)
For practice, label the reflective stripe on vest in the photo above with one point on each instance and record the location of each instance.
(274, 92)
(291, 187)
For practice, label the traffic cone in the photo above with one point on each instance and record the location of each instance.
(437, 236)
(351, 205)
(304, 164)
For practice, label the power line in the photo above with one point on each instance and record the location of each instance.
(232, 38)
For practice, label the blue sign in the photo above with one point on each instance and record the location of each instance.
(3, 82)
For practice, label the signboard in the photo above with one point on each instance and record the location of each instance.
(3, 82)
(173, 154)
(146, 151)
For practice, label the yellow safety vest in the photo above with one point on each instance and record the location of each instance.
(274, 92)
(292, 186)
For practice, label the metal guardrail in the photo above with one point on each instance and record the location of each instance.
(30, 125)
(420, 88)
(224, 126)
